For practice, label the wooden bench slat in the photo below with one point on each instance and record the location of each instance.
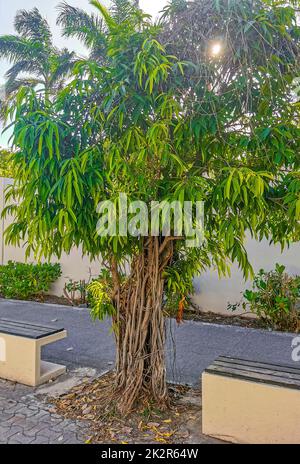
(247, 362)
(25, 323)
(24, 327)
(256, 372)
(26, 333)
(8, 327)
(259, 370)
(254, 377)
(26, 330)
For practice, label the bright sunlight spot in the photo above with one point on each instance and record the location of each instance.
(216, 48)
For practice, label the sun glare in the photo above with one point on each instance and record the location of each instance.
(216, 48)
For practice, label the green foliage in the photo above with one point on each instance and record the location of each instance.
(274, 298)
(99, 296)
(5, 163)
(24, 281)
(156, 116)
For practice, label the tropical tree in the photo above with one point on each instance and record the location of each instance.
(222, 129)
(36, 62)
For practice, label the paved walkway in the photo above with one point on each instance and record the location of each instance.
(27, 417)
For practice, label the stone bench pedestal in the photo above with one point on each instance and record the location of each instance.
(251, 402)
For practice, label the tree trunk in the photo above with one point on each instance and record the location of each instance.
(140, 333)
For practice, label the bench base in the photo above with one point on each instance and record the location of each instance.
(20, 359)
(242, 411)
(50, 371)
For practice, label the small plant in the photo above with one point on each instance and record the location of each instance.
(76, 292)
(23, 281)
(273, 299)
(100, 296)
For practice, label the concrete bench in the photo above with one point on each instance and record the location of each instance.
(20, 352)
(251, 402)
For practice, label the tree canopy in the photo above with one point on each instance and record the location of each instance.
(202, 106)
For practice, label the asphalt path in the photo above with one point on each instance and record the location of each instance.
(191, 346)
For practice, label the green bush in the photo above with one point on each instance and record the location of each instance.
(23, 281)
(273, 298)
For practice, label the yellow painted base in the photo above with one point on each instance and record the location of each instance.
(21, 359)
(240, 411)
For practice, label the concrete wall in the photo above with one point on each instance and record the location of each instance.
(211, 293)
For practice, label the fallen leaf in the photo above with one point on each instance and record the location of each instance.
(153, 424)
(140, 426)
(160, 440)
(168, 434)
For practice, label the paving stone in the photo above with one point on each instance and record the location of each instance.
(20, 438)
(35, 430)
(10, 404)
(41, 415)
(28, 419)
(71, 428)
(4, 418)
(5, 434)
(40, 440)
(26, 412)
(72, 441)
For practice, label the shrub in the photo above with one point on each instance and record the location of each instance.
(23, 281)
(273, 298)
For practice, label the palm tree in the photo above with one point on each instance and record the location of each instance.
(90, 28)
(34, 58)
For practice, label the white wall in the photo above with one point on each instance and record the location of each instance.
(211, 293)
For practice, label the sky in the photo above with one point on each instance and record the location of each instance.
(8, 9)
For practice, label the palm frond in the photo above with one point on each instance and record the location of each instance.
(18, 68)
(122, 10)
(172, 8)
(31, 25)
(77, 23)
(63, 63)
(15, 48)
(13, 86)
(109, 20)
(12, 75)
